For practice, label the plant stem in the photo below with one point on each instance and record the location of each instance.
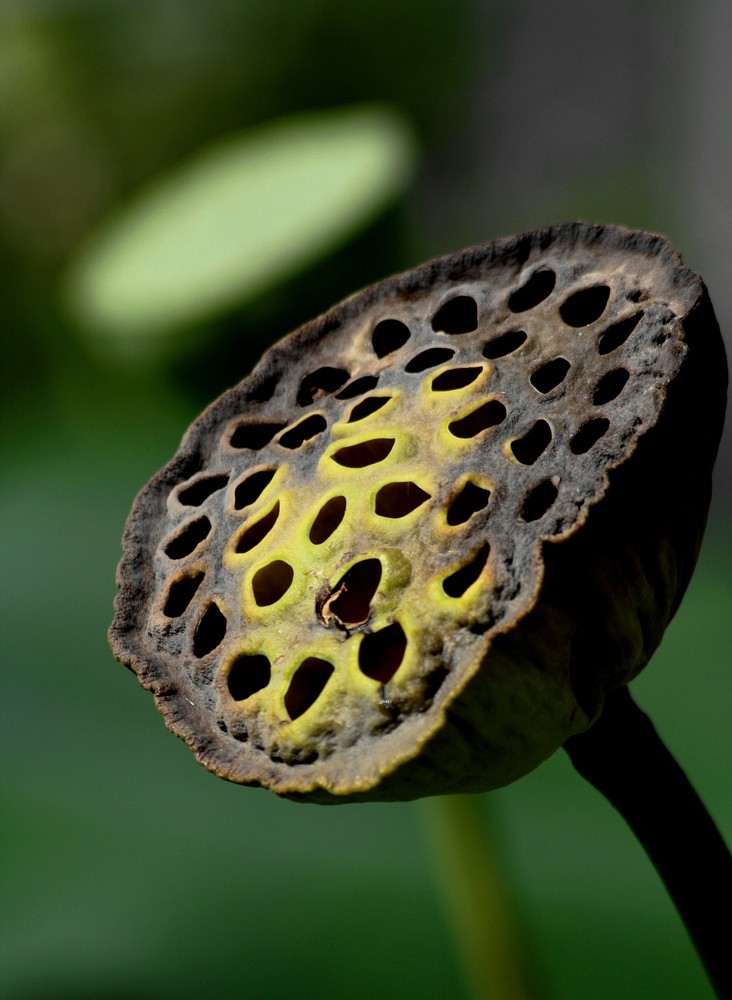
(624, 758)
(476, 899)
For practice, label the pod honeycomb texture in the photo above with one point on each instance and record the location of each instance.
(411, 552)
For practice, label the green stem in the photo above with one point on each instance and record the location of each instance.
(624, 758)
(476, 899)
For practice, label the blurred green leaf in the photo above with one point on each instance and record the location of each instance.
(239, 218)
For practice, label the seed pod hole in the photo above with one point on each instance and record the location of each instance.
(490, 414)
(458, 315)
(399, 499)
(366, 407)
(188, 540)
(458, 582)
(308, 428)
(507, 343)
(469, 501)
(210, 631)
(610, 386)
(539, 500)
(358, 387)
(248, 674)
(430, 358)
(180, 594)
(249, 490)
(254, 436)
(307, 685)
(616, 335)
(539, 287)
(327, 520)
(534, 442)
(381, 653)
(256, 532)
(388, 336)
(588, 435)
(585, 306)
(358, 456)
(272, 582)
(455, 378)
(354, 593)
(265, 390)
(550, 375)
(199, 491)
(319, 383)
(433, 683)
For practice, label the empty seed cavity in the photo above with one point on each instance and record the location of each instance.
(539, 287)
(458, 315)
(198, 492)
(433, 682)
(455, 378)
(322, 382)
(388, 336)
(539, 500)
(358, 456)
(358, 387)
(210, 631)
(307, 685)
(180, 594)
(610, 386)
(327, 520)
(308, 428)
(506, 344)
(349, 603)
(248, 674)
(550, 375)
(366, 407)
(533, 443)
(399, 499)
(272, 582)
(616, 335)
(430, 358)
(588, 435)
(458, 582)
(256, 532)
(469, 501)
(254, 436)
(585, 306)
(265, 390)
(188, 539)
(249, 490)
(381, 653)
(487, 415)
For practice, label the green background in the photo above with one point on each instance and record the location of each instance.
(128, 871)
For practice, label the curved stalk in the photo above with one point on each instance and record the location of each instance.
(476, 899)
(624, 758)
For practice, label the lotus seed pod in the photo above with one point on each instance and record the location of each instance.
(413, 550)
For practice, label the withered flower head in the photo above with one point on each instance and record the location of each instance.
(412, 551)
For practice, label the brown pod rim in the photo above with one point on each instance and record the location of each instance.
(414, 548)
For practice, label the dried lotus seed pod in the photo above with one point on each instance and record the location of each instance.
(412, 551)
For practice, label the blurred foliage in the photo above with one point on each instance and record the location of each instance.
(235, 222)
(128, 871)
